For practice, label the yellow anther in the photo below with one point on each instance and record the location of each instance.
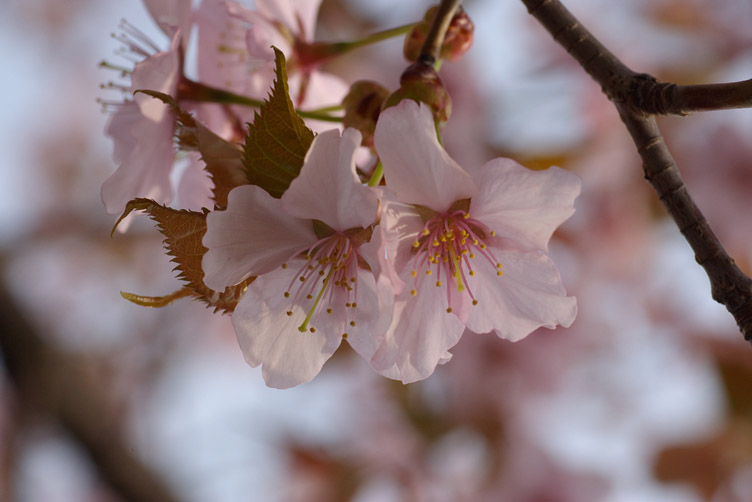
(472, 255)
(309, 297)
(344, 335)
(475, 302)
(464, 251)
(321, 272)
(466, 215)
(416, 244)
(284, 265)
(483, 246)
(436, 243)
(426, 231)
(499, 273)
(354, 305)
(328, 311)
(429, 272)
(352, 323)
(472, 272)
(449, 310)
(302, 279)
(312, 330)
(310, 267)
(413, 292)
(289, 313)
(498, 265)
(438, 284)
(414, 273)
(287, 294)
(493, 233)
(348, 305)
(475, 242)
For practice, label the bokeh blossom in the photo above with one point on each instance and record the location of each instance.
(465, 249)
(313, 251)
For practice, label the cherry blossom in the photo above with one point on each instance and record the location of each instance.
(290, 25)
(142, 131)
(313, 251)
(464, 250)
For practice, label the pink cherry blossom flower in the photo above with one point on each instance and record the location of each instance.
(313, 251)
(464, 250)
(143, 127)
(142, 130)
(287, 25)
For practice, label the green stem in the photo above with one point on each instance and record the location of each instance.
(196, 91)
(374, 38)
(315, 115)
(378, 173)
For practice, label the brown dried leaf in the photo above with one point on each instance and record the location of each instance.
(183, 231)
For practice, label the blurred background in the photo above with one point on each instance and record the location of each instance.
(647, 397)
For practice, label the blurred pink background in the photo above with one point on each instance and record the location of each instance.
(645, 398)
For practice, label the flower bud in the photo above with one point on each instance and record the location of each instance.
(457, 40)
(362, 107)
(421, 83)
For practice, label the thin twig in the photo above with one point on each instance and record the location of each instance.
(431, 50)
(638, 97)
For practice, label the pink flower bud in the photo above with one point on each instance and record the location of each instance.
(362, 107)
(457, 40)
(420, 82)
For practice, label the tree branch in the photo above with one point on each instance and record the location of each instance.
(638, 97)
(729, 285)
(51, 381)
(656, 97)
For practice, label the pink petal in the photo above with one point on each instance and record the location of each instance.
(420, 335)
(295, 14)
(322, 90)
(373, 315)
(171, 15)
(146, 154)
(161, 73)
(270, 338)
(524, 205)
(252, 237)
(416, 167)
(195, 187)
(400, 225)
(328, 189)
(528, 295)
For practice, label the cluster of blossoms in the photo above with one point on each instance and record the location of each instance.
(400, 269)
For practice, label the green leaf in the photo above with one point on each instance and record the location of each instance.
(278, 139)
(224, 160)
(183, 231)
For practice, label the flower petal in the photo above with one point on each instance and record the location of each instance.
(327, 187)
(416, 167)
(296, 14)
(270, 338)
(146, 154)
(527, 296)
(373, 315)
(524, 205)
(399, 227)
(420, 335)
(161, 73)
(252, 237)
(171, 15)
